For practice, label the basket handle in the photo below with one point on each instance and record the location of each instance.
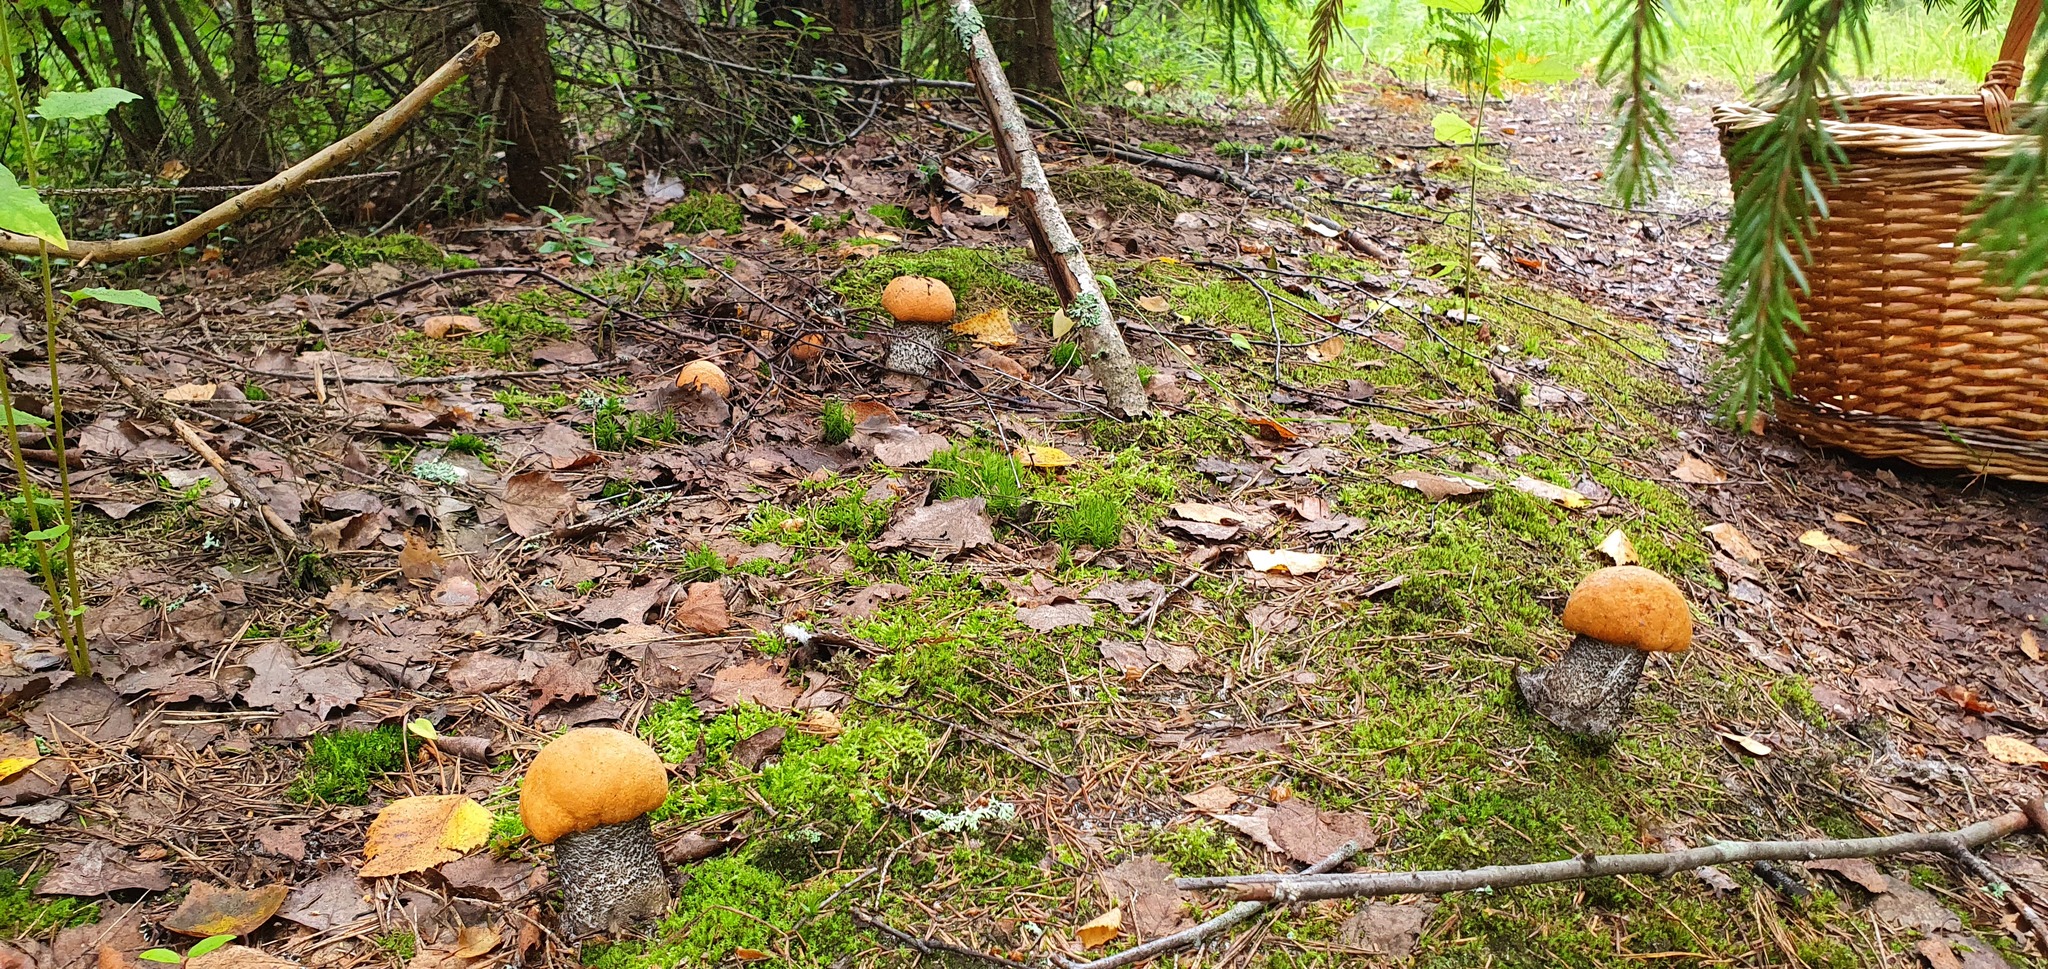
(2003, 81)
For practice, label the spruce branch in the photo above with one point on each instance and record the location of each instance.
(2012, 227)
(1634, 65)
(1315, 87)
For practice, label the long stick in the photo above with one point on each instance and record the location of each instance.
(364, 139)
(1051, 237)
(1187, 937)
(1289, 889)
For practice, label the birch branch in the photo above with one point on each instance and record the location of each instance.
(1290, 889)
(187, 233)
(1051, 237)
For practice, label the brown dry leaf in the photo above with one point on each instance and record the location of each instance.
(416, 833)
(2014, 750)
(1326, 351)
(1143, 885)
(941, 530)
(1386, 929)
(100, 868)
(1217, 514)
(757, 747)
(225, 911)
(1045, 619)
(1939, 953)
(1616, 546)
(863, 411)
(475, 940)
(536, 504)
(1556, 494)
(1747, 744)
(1821, 541)
(564, 682)
(629, 605)
(758, 681)
(1154, 304)
(1437, 487)
(1734, 542)
(450, 324)
(419, 560)
(189, 393)
(1291, 563)
(990, 328)
(1214, 799)
(1101, 929)
(703, 609)
(1692, 470)
(897, 445)
(1272, 430)
(2029, 644)
(1043, 456)
(1309, 835)
(1862, 871)
(745, 954)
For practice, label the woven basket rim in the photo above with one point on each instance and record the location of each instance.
(1890, 139)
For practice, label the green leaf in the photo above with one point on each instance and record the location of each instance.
(48, 534)
(207, 945)
(1239, 341)
(1539, 70)
(65, 105)
(1453, 130)
(122, 297)
(162, 955)
(23, 211)
(1457, 6)
(22, 418)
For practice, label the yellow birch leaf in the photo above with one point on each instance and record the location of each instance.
(422, 728)
(1282, 560)
(2013, 750)
(1617, 547)
(1062, 324)
(990, 329)
(1042, 456)
(1538, 488)
(11, 766)
(416, 833)
(17, 754)
(1101, 929)
(1821, 541)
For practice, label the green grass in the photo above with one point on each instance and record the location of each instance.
(339, 766)
(974, 472)
(701, 212)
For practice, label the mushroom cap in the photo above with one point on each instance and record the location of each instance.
(918, 299)
(588, 778)
(808, 348)
(1628, 605)
(705, 374)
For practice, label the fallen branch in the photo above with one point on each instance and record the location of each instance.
(190, 232)
(1188, 937)
(1290, 889)
(1051, 237)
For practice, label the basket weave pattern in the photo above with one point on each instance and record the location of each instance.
(1910, 351)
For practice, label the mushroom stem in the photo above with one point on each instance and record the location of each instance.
(612, 879)
(1588, 690)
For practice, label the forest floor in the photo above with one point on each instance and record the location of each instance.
(1037, 689)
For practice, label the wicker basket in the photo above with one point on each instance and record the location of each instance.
(1910, 352)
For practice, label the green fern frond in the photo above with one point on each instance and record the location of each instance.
(1634, 65)
(1779, 169)
(1315, 87)
(1247, 29)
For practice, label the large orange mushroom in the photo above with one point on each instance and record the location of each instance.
(588, 793)
(1620, 616)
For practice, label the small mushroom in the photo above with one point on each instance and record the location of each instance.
(918, 299)
(588, 794)
(704, 375)
(1621, 615)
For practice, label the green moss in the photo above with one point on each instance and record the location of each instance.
(1119, 191)
(356, 252)
(836, 422)
(400, 946)
(1093, 519)
(701, 212)
(895, 216)
(1065, 356)
(729, 903)
(980, 278)
(1163, 148)
(972, 472)
(24, 914)
(339, 766)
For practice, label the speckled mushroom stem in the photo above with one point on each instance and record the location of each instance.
(612, 879)
(1051, 237)
(1588, 690)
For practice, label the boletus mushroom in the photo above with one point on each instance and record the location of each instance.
(1620, 616)
(920, 305)
(588, 793)
(704, 375)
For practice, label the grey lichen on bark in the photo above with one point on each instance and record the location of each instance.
(1589, 690)
(612, 879)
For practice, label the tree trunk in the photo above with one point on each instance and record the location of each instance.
(522, 75)
(189, 98)
(1026, 34)
(142, 115)
(247, 145)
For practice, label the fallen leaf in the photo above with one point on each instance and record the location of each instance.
(897, 445)
(1823, 542)
(190, 393)
(756, 747)
(942, 529)
(225, 911)
(419, 561)
(745, 954)
(2029, 644)
(563, 682)
(1214, 799)
(1862, 871)
(1272, 430)
(1692, 470)
(628, 605)
(1043, 456)
(2014, 750)
(1557, 494)
(1386, 929)
(1308, 834)
(1616, 546)
(1154, 304)
(1062, 324)
(475, 940)
(536, 504)
(1437, 487)
(703, 609)
(1212, 514)
(758, 681)
(1045, 619)
(417, 833)
(1101, 929)
(1939, 953)
(990, 328)
(100, 868)
(1732, 541)
(17, 754)
(238, 957)
(1143, 886)
(1326, 351)
(450, 324)
(1747, 744)
(1289, 562)
(1130, 598)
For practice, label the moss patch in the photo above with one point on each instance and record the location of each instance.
(705, 212)
(339, 766)
(356, 252)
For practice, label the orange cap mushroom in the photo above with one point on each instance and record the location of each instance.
(1628, 605)
(918, 299)
(705, 375)
(588, 778)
